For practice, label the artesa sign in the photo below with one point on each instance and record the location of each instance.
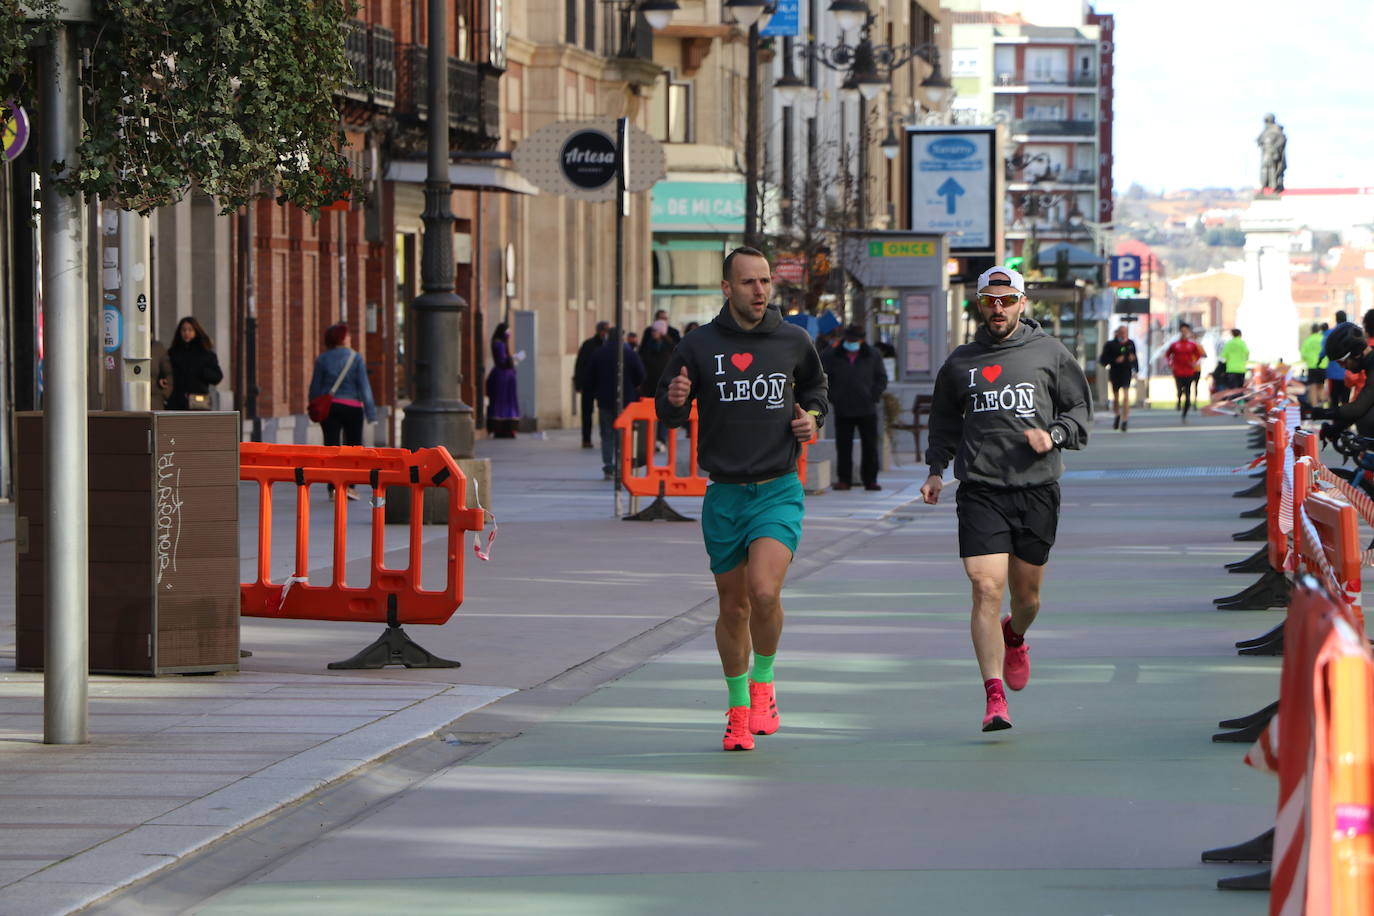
(588, 159)
(577, 159)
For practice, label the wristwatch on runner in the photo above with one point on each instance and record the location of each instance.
(1057, 435)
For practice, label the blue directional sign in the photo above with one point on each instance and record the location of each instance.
(785, 21)
(953, 184)
(1125, 270)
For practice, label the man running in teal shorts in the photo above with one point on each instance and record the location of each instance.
(760, 394)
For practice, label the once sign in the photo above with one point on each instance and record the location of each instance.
(588, 159)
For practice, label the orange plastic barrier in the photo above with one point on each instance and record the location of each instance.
(662, 479)
(1323, 859)
(391, 596)
(1275, 447)
(1323, 862)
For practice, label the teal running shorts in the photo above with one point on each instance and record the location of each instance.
(734, 515)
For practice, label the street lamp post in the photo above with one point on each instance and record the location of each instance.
(438, 415)
(753, 15)
(868, 68)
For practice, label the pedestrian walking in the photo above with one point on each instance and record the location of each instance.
(1122, 363)
(857, 381)
(582, 378)
(1311, 350)
(195, 367)
(340, 393)
(1185, 357)
(1004, 406)
(760, 393)
(1337, 393)
(503, 402)
(603, 383)
(162, 381)
(666, 329)
(1235, 353)
(341, 376)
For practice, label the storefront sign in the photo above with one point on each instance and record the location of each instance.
(577, 159)
(588, 159)
(878, 249)
(698, 206)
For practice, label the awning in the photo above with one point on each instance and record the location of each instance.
(477, 177)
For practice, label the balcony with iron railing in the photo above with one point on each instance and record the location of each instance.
(1055, 79)
(371, 57)
(1050, 175)
(1053, 128)
(474, 95)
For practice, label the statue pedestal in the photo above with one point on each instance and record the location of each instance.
(1267, 317)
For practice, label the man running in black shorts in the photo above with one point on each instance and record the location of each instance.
(1119, 356)
(1004, 407)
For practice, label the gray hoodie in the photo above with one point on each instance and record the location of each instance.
(989, 392)
(746, 385)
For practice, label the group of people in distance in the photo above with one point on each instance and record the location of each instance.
(1184, 356)
(1005, 404)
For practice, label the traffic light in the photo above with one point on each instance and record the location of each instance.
(1127, 292)
(1016, 262)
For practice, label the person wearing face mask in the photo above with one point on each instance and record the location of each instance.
(1005, 405)
(857, 382)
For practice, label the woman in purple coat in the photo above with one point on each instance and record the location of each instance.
(503, 406)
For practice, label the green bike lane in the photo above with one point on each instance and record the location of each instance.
(879, 794)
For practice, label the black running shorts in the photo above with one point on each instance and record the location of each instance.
(1020, 522)
(1119, 380)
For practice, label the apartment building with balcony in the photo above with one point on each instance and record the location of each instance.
(1042, 68)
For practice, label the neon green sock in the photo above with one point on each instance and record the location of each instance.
(763, 668)
(739, 690)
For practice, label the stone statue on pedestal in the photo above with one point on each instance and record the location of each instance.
(1273, 161)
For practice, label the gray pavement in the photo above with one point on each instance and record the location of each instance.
(571, 764)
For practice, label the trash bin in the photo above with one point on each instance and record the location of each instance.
(163, 541)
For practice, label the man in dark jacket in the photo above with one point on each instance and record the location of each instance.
(760, 393)
(857, 380)
(1119, 357)
(603, 363)
(1005, 405)
(582, 378)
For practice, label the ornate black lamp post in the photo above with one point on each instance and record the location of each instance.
(868, 68)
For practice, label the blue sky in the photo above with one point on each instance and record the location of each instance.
(1195, 78)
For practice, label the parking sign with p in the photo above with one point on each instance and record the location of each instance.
(1125, 270)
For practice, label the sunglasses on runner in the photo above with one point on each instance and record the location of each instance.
(1008, 300)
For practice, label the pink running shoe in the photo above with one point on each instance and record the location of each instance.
(1016, 664)
(763, 709)
(997, 717)
(737, 737)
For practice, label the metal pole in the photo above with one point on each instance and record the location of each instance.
(621, 129)
(248, 261)
(135, 306)
(1149, 328)
(65, 662)
(438, 415)
(751, 142)
(861, 208)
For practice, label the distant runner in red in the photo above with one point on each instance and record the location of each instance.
(1185, 357)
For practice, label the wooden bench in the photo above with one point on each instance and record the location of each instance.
(920, 413)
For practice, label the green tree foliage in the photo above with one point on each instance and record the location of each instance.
(1227, 237)
(233, 97)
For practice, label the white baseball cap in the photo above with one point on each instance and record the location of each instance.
(1015, 280)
